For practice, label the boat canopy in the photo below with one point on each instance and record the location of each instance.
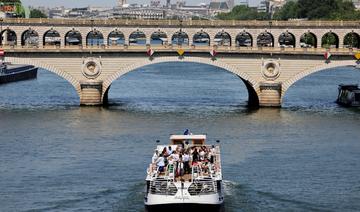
(194, 139)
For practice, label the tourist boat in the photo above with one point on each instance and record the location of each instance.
(13, 73)
(349, 95)
(179, 187)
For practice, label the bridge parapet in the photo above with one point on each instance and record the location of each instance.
(345, 34)
(184, 23)
(188, 49)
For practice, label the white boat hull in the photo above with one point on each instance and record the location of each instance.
(185, 207)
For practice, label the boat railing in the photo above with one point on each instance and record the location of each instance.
(163, 187)
(170, 172)
(202, 187)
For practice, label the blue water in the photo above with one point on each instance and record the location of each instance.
(56, 156)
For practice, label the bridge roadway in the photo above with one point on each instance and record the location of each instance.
(267, 71)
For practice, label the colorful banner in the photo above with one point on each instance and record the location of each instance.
(213, 53)
(357, 55)
(181, 52)
(150, 52)
(327, 55)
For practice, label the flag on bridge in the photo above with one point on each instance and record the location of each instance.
(357, 55)
(150, 52)
(327, 55)
(181, 52)
(2, 53)
(213, 53)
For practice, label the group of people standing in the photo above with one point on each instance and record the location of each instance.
(183, 157)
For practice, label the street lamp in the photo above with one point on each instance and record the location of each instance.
(1, 32)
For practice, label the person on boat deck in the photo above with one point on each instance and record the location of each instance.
(175, 156)
(187, 132)
(212, 154)
(202, 155)
(195, 155)
(164, 151)
(160, 163)
(155, 156)
(169, 151)
(186, 146)
(186, 160)
(180, 167)
(170, 160)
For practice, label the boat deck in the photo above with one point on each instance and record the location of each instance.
(202, 169)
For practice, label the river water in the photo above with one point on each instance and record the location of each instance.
(57, 156)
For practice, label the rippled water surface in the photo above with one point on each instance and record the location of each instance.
(56, 156)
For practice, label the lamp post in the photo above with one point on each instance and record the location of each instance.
(352, 40)
(180, 40)
(1, 32)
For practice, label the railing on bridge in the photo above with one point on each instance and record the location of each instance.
(174, 48)
(185, 23)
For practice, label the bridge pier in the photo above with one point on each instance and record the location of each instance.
(270, 94)
(91, 93)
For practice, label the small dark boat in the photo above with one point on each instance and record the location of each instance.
(349, 95)
(13, 73)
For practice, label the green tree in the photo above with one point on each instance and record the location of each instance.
(35, 13)
(288, 11)
(329, 40)
(327, 9)
(242, 12)
(317, 10)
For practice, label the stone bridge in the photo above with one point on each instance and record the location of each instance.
(267, 56)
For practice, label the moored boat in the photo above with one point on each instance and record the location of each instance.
(349, 95)
(13, 73)
(185, 175)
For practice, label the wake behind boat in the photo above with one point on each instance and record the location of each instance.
(185, 175)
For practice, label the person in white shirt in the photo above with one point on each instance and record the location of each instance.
(155, 156)
(160, 163)
(202, 155)
(169, 151)
(175, 156)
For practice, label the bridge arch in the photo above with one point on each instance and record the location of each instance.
(51, 38)
(180, 38)
(137, 38)
(352, 40)
(201, 38)
(265, 39)
(116, 38)
(330, 40)
(244, 39)
(30, 38)
(308, 40)
(287, 39)
(334, 64)
(8, 37)
(251, 84)
(222, 39)
(39, 63)
(158, 38)
(73, 37)
(94, 38)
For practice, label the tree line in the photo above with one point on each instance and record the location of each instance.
(300, 9)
